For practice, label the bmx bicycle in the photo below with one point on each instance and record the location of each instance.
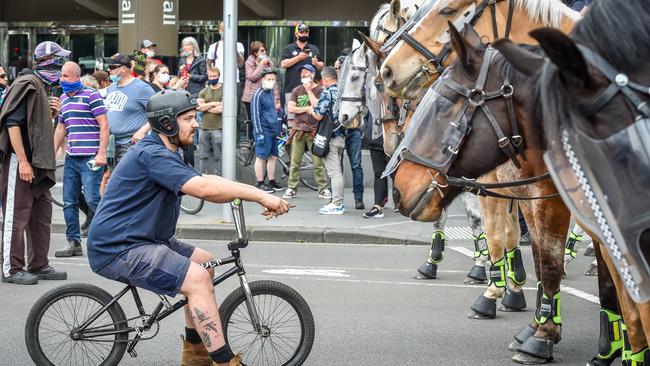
(80, 323)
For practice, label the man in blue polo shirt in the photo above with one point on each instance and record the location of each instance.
(131, 238)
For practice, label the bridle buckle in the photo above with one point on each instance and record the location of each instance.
(503, 142)
(517, 140)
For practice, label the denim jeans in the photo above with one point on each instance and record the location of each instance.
(76, 174)
(353, 147)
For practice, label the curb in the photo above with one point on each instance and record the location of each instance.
(297, 234)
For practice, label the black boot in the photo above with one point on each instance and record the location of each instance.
(72, 249)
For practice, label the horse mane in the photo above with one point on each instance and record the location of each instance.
(548, 12)
(618, 31)
(374, 24)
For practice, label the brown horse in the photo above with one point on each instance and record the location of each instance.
(617, 34)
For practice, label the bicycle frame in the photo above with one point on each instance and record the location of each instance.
(83, 332)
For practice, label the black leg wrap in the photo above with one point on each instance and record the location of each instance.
(603, 362)
(485, 307)
(521, 337)
(437, 247)
(541, 350)
(610, 340)
(516, 271)
(513, 301)
(428, 270)
(478, 273)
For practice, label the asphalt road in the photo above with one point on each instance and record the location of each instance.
(368, 308)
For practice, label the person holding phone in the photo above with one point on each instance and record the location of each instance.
(84, 123)
(294, 56)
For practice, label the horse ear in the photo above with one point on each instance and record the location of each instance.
(466, 50)
(395, 7)
(521, 59)
(372, 45)
(564, 53)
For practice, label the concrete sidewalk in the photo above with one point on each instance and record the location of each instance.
(304, 224)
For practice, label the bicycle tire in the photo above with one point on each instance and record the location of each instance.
(34, 325)
(191, 205)
(57, 190)
(268, 296)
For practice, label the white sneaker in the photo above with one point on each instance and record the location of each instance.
(325, 194)
(331, 209)
(289, 193)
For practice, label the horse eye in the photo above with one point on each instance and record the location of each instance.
(355, 78)
(448, 11)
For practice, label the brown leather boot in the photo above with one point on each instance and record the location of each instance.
(195, 354)
(235, 361)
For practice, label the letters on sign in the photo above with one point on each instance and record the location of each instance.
(169, 17)
(128, 12)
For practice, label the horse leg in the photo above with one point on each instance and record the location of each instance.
(551, 224)
(513, 299)
(610, 341)
(571, 247)
(636, 332)
(494, 219)
(429, 269)
(477, 274)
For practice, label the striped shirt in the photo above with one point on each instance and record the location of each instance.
(79, 113)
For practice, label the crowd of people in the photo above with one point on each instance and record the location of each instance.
(98, 117)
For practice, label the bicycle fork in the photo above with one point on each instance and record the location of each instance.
(252, 308)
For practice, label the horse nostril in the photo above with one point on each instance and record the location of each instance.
(386, 73)
(344, 118)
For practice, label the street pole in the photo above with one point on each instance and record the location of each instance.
(230, 102)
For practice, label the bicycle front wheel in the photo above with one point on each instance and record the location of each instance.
(55, 317)
(191, 205)
(287, 323)
(57, 189)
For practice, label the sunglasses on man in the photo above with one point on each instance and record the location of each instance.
(3, 76)
(113, 67)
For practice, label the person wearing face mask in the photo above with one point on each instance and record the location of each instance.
(148, 48)
(132, 238)
(294, 56)
(215, 53)
(126, 101)
(3, 83)
(266, 128)
(160, 79)
(256, 62)
(28, 167)
(192, 66)
(210, 135)
(84, 124)
(302, 133)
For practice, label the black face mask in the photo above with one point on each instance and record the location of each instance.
(303, 38)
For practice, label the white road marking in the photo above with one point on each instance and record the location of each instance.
(308, 272)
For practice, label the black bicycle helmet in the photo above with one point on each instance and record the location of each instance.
(163, 108)
(268, 70)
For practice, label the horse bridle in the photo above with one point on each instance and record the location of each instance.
(437, 61)
(513, 146)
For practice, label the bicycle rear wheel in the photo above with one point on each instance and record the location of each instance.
(57, 190)
(191, 205)
(54, 318)
(287, 325)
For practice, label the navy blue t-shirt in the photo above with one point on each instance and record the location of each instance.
(142, 201)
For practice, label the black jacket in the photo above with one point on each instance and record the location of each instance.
(198, 75)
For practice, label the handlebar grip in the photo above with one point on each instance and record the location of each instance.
(237, 207)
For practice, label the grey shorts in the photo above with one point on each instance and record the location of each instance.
(160, 268)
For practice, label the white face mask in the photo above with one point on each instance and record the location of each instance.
(268, 84)
(150, 53)
(306, 80)
(163, 78)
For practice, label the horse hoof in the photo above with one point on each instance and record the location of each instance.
(526, 359)
(601, 361)
(534, 351)
(589, 251)
(477, 273)
(477, 316)
(471, 281)
(428, 270)
(514, 346)
(484, 308)
(592, 270)
(513, 301)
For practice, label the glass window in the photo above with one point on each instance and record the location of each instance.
(83, 51)
(110, 44)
